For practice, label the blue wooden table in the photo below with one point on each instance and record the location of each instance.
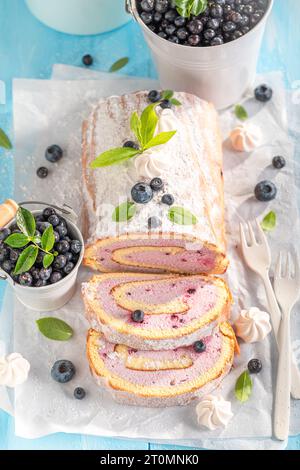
(28, 49)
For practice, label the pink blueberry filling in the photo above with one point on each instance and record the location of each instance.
(195, 259)
(201, 296)
(201, 363)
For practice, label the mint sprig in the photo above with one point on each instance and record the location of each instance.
(31, 243)
(54, 328)
(4, 140)
(186, 8)
(119, 64)
(269, 222)
(124, 212)
(243, 387)
(241, 112)
(181, 216)
(144, 128)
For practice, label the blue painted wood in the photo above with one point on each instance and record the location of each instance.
(28, 49)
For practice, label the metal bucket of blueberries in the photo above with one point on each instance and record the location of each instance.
(206, 47)
(40, 253)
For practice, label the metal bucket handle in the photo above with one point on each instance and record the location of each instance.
(130, 9)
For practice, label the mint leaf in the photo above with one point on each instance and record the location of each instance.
(114, 157)
(48, 260)
(124, 212)
(167, 94)
(25, 221)
(54, 328)
(243, 387)
(17, 240)
(149, 120)
(4, 140)
(181, 216)
(48, 239)
(186, 8)
(176, 102)
(269, 222)
(119, 64)
(240, 112)
(26, 259)
(160, 139)
(135, 126)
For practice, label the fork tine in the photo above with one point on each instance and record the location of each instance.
(251, 233)
(289, 266)
(243, 236)
(297, 267)
(261, 234)
(278, 267)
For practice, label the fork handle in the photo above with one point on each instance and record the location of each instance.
(283, 384)
(276, 318)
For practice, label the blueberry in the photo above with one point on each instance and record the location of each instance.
(39, 218)
(217, 41)
(67, 238)
(42, 226)
(254, 366)
(138, 316)
(154, 222)
(75, 247)
(195, 26)
(35, 273)
(162, 34)
(4, 233)
(25, 279)
(209, 34)
(157, 17)
(216, 10)
(39, 258)
(236, 34)
(53, 153)
(166, 104)
(87, 59)
(55, 277)
(263, 93)
(54, 220)
(265, 191)
(199, 346)
(62, 246)
(156, 184)
(154, 96)
(42, 172)
(4, 253)
(56, 236)
(229, 27)
(40, 283)
(48, 211)
(141, 193)
(62, 231)
(13, 255)
(146, 17)
(170, 15)
(162, 6)
(7, 266)
(62, 222)
(167, 199)
(69, 256)
(79, 393)
(60, 262)
(170, 29)
(69, 267)
(194, 40)
(182, 34)
(180, 21)
(63, 371)
(147, 5)
(45, 273)
(131, 144)
(213, 23)
(279, 162)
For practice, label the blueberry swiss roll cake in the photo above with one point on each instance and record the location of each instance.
(155, 311)
(153, 186)
(161, 378)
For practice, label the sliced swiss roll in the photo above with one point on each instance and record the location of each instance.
(161, 209)
(161, 378)
(155, 311)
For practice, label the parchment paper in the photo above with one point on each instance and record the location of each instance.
(47, 112)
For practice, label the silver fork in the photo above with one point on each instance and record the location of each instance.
(257, 256)
(287, 290)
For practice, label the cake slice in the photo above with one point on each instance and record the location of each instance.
(190, 165)
(161, 378)
(178, 310)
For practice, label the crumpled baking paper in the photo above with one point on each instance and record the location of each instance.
(47, 112)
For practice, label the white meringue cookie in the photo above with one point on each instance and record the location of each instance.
(214, 412)
(246, 137)
(154, 162)
(253, 325)
(14, 370)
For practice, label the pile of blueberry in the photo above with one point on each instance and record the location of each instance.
(53, 154)
(62, 372)
(67, 248)
(222, 21)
